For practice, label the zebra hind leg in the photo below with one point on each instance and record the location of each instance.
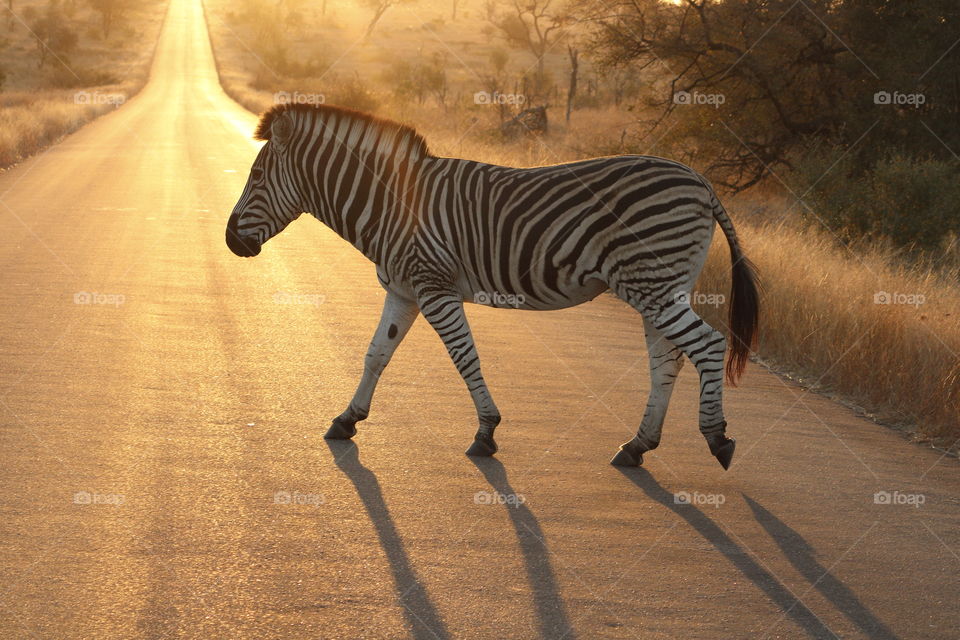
(396, 319)
(705, 346)
(666, 360)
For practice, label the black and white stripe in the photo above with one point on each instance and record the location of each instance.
(443, 231)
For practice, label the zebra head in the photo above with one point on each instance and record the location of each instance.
(270, 201)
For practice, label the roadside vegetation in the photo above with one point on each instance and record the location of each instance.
(830, 126)
(65, 62)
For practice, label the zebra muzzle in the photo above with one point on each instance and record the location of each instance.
(243, 246)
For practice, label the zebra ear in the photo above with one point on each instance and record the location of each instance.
(280, 130)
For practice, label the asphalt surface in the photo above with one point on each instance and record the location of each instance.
(164, 475)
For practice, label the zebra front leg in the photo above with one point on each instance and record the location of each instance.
(445, 314)
(666, 360)
(395, 320)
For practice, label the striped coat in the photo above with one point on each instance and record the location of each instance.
(443, 231)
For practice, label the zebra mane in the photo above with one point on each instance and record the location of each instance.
(370, 126)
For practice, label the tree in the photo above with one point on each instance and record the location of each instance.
(110, 12)
(499, 58)
(496, 82)
(419, 79)
(379, 7)
(574, 54)
(748, 84)
(52, 37)
(535, 25)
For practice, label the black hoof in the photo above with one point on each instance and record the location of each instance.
(341, 430)
(483, 445)
(625, 458)
(724, 452)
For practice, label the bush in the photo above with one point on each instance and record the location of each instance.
(417, 80)
(353, 94)
(910, 202)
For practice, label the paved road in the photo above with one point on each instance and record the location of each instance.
(147, 437)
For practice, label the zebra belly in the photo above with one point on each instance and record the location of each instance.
(570, 295)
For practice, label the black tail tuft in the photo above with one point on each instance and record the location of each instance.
(744, 317)
(744, 313)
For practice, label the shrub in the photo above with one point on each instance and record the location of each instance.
(417, 80)
(354, 94)
(911, 202)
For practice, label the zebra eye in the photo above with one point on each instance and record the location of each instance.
(256, 174)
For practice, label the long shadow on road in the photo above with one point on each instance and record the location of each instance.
(551, 612)
(738, 557)
(421, 614)
(801, 556)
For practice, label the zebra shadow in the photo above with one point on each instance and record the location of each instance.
(734, 553)
(418, 609)
(551, 612)
(801, 556)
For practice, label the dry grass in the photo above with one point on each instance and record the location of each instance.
(39, 106)
(820, 325)
(31, 121)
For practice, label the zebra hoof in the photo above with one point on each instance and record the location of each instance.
(341, 430)
(483, 445)
(625, 458)
(724, 452)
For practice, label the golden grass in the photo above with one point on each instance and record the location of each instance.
(820, 325)
(824, 323)
(39, 120)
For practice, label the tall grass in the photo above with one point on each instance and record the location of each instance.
(31, 121)
(881, 336)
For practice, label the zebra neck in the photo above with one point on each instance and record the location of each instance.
(371, 201)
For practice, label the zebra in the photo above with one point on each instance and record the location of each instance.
(444, 231)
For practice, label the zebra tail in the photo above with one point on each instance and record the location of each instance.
(744, 318)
